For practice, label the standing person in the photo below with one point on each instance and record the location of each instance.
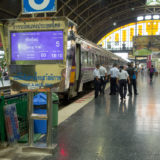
(123, 76)
(117, 86)
(142, 70)
(133, 79)
(113, 78)
(97, 82)
(103, 75)
(151, 72)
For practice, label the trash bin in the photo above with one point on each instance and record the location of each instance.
(40, 102)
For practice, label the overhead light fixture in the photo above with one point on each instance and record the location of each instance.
(140, 18)
(156, 17)
(148, 17)
(114, 23)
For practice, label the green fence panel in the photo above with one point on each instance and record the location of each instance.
(2, 122)
(21, 102)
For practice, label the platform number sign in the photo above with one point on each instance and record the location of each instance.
(35, 6)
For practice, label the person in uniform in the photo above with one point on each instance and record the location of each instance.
(113, 78)
(103, 75)
(97, 82)
(122, 78)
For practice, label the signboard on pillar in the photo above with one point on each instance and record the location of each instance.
(38, 6)
(152, 2)
(146, 45)
(149, 63)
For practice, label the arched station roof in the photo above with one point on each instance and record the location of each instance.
(95, 18)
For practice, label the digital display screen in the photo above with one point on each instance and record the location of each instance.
(34, 46)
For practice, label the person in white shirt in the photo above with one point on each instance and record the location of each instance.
(113, 77)
(96, 75)
(122, 78)
(103, 75)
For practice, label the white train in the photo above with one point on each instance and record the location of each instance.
(83, 56)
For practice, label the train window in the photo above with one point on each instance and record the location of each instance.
(89, 58)
(106, 60)
(82, 57)
(102, 59)
(93, 59)
(86, 58)
(98, 59)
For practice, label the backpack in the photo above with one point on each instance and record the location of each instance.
(130, 72)
(151, 70)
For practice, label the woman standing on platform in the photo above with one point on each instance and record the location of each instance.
(122, 81)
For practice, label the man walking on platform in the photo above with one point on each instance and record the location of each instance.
(122, 80)
(113, 78)
(133, 79)
(97, 81)
(103, 74)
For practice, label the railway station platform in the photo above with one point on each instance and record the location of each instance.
(106, 129)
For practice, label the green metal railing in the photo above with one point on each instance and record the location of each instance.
(21, 105)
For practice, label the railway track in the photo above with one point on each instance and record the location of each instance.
(64, 103)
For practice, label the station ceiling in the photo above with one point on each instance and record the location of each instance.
(95, 18)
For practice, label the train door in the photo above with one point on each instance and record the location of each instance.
(75, 72)
(78, 65)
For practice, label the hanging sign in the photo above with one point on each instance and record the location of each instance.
(38, 6)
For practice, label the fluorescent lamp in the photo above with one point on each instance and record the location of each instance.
(140, 18)
(156, 17)
(1, 52)
(148, 17)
